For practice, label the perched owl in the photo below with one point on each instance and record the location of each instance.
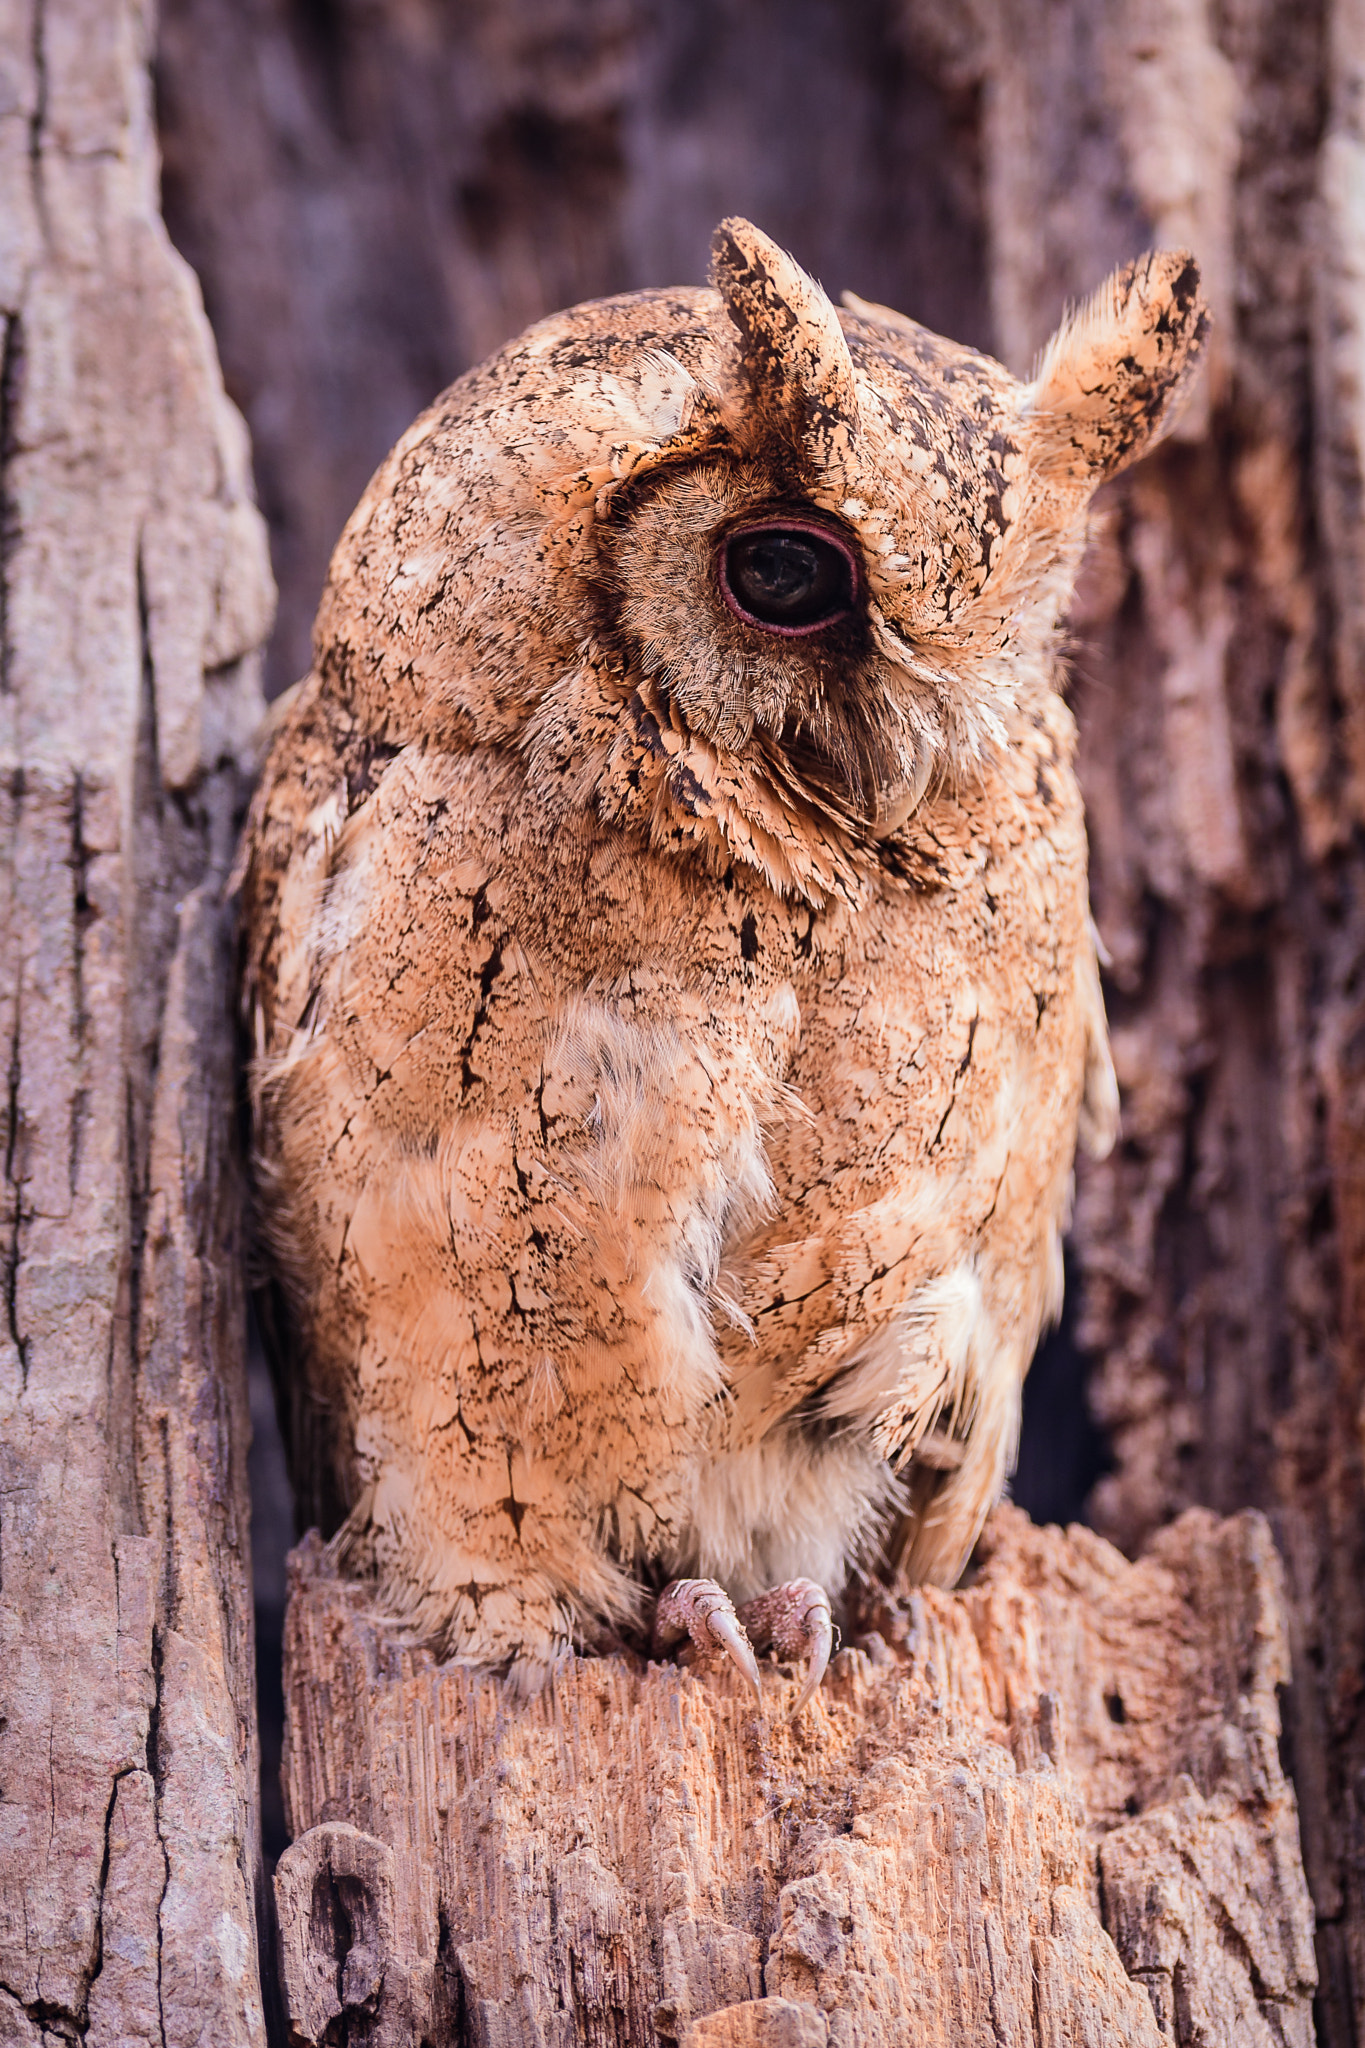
(668, 962)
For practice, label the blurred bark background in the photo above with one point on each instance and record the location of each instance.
(375, 193)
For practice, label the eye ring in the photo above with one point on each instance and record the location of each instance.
(837, 584)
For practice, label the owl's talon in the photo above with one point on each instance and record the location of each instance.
(795, 1620)
(817, 1663)
(701, 1609)
(737, 1647)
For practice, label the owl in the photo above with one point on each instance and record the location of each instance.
(668, 965)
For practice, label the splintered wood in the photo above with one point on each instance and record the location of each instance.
(1046, 1809)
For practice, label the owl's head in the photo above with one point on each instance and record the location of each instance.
(745, 572)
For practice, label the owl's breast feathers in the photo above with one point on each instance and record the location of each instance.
(495, 1034)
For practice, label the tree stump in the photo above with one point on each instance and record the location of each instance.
(1045, 1809)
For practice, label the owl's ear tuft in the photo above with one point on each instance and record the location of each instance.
(793, 359)
(1110, 381)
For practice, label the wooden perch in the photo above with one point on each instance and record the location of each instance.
(1048, 1808)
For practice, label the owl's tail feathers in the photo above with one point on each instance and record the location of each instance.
(794, 371)
(941, 1386)
(953, 1485)
(1109, 382)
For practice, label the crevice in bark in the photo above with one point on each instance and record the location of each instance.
(157, 1775)
(455, 2021)
(147, 984)
(81, 919)
(11, 371)
(38, 118)
(51, 2018)
(101, 1893)
(168, 858)
(14, 1180)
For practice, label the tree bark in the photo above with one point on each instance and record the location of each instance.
(134, 591)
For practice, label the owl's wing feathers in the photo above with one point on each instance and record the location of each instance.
(900, 1323)
(1098, 1127)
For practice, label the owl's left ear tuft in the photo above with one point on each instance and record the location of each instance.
(793, 360)
(1110, 381)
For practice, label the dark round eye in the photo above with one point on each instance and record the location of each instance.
(789, 579)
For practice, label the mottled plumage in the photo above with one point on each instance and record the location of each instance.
(672, 1027)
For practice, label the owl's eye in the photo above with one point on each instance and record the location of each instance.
(788, 578)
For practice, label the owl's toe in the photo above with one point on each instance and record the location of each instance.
(701, 1609)
(794, 1620)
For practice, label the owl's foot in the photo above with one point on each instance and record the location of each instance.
(794, 1620)
(701, 1609)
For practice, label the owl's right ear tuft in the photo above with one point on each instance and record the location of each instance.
(1109, 382)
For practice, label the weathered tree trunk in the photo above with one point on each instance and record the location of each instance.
(135, 589)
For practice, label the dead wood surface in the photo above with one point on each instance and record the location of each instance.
(135, 592)
(1048, 1809)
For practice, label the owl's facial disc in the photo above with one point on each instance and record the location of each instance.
(787, 576)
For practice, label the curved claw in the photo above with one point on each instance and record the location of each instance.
(796, 1620)
(732, 1639)
(703, 1610)
(820, 1634)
